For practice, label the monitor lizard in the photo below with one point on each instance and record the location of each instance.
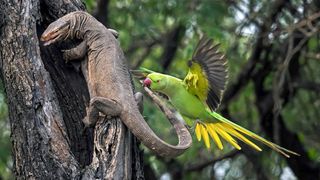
(108, 79)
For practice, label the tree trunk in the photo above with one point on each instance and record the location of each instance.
(46, 100)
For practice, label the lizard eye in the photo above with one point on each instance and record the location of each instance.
(158, 81)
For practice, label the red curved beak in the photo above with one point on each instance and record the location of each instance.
(147, 82)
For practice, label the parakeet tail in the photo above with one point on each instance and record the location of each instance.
(228, 130)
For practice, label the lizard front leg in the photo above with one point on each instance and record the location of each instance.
(80, 50)
(75, 53)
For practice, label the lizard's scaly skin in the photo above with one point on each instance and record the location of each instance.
(108, 77)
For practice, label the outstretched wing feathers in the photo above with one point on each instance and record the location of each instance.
(213, 68)
(205, 45)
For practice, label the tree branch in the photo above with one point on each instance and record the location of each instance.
(138, 61)
(266, 105)
(308, 85)
(210, 162)
(245, 74)
(101, 13)
(142, 43)
(171, 45)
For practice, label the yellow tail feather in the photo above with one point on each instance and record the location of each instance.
(226, 136)
(227, 130)
(242, 130)
(204, 134)
(214, 136)
(198, 131)
(241, 137)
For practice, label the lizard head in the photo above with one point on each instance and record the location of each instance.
(155, 81)
(55, 32)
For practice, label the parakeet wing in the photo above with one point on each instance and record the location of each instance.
(207, 76)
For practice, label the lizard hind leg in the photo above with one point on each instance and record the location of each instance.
(107, 106)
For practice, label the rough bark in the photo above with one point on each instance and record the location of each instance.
(46, 100)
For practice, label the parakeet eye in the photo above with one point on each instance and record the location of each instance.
(158, 81)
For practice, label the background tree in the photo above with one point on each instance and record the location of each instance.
(273, 53)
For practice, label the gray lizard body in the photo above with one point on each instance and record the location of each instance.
(108, 79)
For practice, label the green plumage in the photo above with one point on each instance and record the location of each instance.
(200, 93)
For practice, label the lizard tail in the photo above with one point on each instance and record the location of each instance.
(228, 130)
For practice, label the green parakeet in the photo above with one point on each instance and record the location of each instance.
(199, 95)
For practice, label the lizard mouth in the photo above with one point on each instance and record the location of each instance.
(55, 35)
(53, 39)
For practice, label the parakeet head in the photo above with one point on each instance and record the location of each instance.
(156, 81)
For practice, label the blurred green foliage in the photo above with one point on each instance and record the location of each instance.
(142, 21)
(230, 23)
(5, 145)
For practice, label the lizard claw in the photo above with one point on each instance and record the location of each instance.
(87, 123)
(109, 117)
(66, 55)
